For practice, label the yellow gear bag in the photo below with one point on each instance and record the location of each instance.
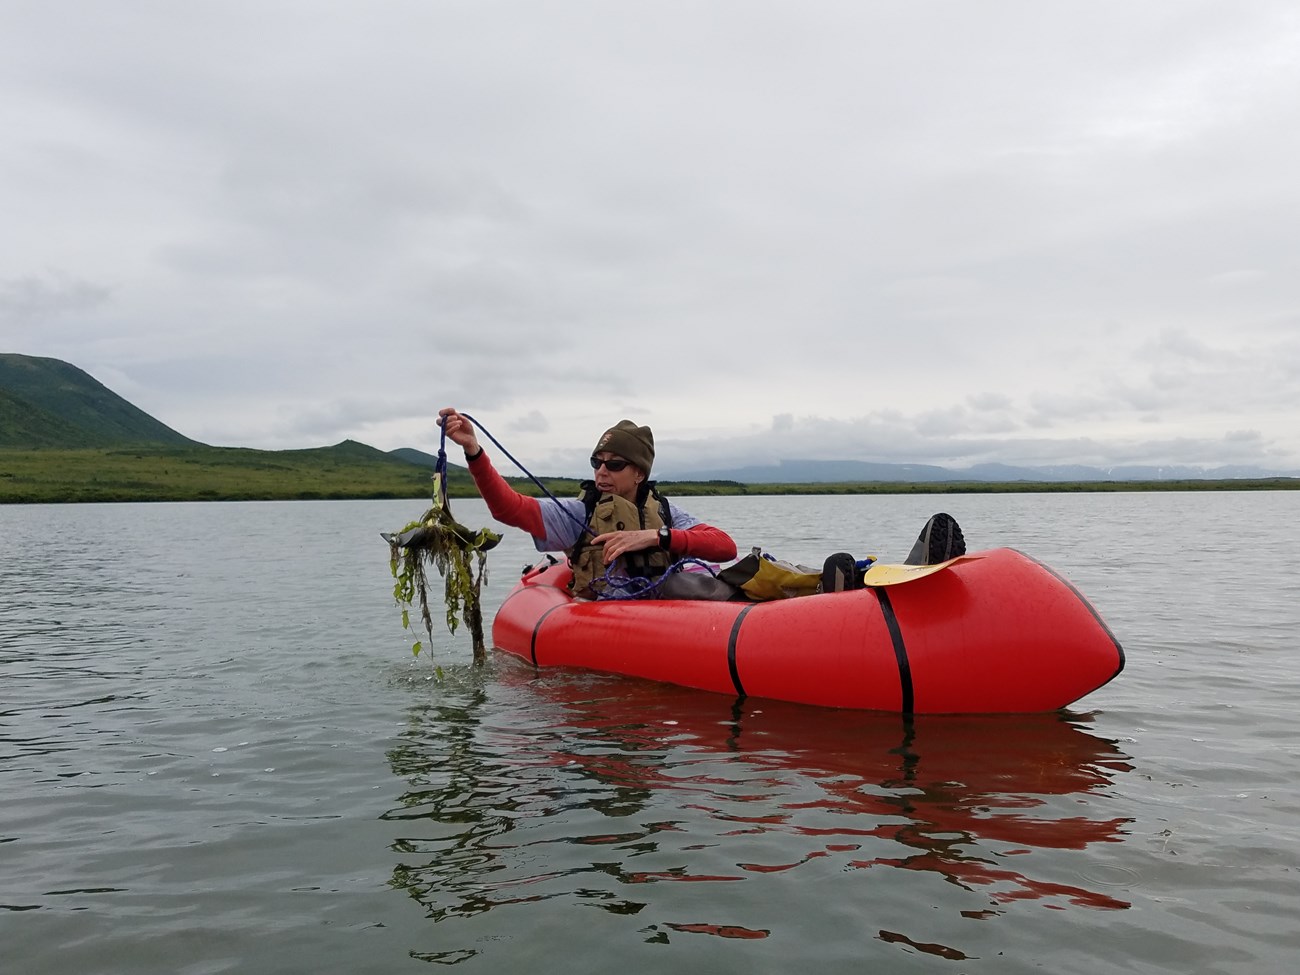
(762, 577)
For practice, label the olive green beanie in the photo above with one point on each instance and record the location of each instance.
(630, 442)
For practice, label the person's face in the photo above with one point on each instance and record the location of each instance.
(622, 482)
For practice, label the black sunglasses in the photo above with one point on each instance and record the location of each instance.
(613, 466)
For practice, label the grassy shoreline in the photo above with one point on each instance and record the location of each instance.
(159, 473)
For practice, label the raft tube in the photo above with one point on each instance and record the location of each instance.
(991, 632)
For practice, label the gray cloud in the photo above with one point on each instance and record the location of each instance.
(934, 233)
(40, 298)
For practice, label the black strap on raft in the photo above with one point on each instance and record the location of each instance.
(900, 649)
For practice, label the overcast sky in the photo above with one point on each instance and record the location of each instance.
(937, 232)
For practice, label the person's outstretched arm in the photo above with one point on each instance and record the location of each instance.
(505, 503)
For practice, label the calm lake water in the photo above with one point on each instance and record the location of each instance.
(217, 755)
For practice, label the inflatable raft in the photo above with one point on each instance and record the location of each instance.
(990, 632)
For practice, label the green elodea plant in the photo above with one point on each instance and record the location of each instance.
(457, 553)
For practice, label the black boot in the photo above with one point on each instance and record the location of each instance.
(840, 573)
(940, 540)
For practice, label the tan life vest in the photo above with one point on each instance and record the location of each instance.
(612, 513)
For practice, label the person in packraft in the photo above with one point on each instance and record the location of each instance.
(631, 532)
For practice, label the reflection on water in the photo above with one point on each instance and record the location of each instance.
(202, 708)
(610, 793)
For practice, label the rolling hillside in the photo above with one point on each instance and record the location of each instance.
(64, 436)
(46, 403)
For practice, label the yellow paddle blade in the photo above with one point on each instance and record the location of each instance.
(879, 574)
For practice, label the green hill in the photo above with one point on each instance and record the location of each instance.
(23, 423)
(64, 436)
(158, 472)
(417, 457)
(48, 403)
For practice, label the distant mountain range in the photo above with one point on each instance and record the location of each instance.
(854, 471)
(49, 403)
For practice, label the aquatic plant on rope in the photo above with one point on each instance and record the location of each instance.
(455, 552)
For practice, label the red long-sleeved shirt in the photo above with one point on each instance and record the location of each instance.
(700, 541)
